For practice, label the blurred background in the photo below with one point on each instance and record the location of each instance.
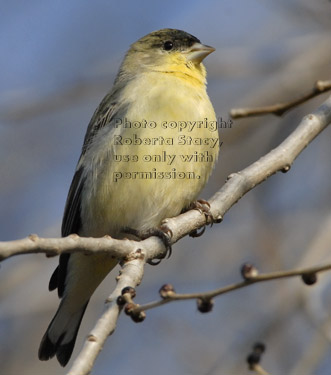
(58, 61)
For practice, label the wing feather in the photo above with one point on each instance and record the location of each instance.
(72, 220)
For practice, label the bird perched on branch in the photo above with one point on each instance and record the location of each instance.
(148, 152)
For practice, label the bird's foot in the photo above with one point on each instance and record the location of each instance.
(203, 207)
(164, 233)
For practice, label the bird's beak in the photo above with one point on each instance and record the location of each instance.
(198, 52)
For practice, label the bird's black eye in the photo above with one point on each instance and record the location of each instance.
(168, 45)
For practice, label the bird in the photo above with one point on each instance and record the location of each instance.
(149, 150)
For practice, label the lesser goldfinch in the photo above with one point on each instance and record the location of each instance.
(148, 151)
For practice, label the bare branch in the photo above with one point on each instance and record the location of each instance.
(72, 243)
(131, 275)
(280, 108)
(172, 296)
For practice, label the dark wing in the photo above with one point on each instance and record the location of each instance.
(71, 224)
(101, 117)
(72, 220)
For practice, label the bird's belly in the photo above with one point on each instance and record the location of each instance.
(156, 182)
(151, 173)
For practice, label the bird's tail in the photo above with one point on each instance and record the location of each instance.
(60, 336)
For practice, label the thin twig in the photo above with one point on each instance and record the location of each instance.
(229, 288)
(279, 109)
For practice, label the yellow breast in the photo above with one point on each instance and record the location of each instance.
(157, 161)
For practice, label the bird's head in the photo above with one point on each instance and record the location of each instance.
(167, 51)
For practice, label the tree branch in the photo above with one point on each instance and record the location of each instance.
(171, 296)
(131, 275)
(280, 108)
(70, 244)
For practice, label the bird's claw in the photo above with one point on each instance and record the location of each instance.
(203, 207)
(195, 233)
(164, 233)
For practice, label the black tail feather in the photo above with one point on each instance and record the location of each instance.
(48, 349)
